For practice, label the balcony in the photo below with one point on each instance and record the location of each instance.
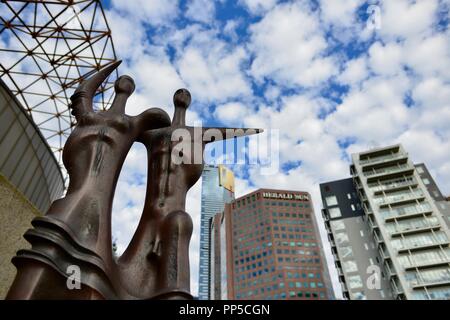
(407, 231)
(325, 215)
(372, 224)
(383, 159)
(335, 257)
(344, 286)
(419, 244)
(421, 285)
(362, 196)
(367, 210)
(390, 271)
(377, 238)
(391, 186)
(383, 254)
(399, 198)
(431, 263)
(396, 287)
(406, 212)
(357, 183)
(388, 171)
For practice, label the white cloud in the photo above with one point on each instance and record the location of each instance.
(258, 7)
(429, 56)
(385, 59)
(289, 46)
(200, 10)
(154, 12)
(354, 72)
(232, 112)
(339, 13)
(406, 19)
(213, 71)
(156, 82)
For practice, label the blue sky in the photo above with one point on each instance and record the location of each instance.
(332, 77)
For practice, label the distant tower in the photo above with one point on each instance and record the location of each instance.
(217, 190)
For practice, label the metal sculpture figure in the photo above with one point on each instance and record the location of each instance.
(76, 231)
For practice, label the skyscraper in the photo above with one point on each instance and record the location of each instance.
(217, 190)
(406, 226)
(272, 248)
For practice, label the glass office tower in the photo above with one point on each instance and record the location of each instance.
(217, 190)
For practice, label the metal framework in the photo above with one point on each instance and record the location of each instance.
(46, 49)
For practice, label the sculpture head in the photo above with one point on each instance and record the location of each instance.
(182, 98)
(124, 84)
(181, 101)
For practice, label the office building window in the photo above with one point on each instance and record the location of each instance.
(335, 212)
(338, 225)
(355, 282)
(331, 201)
(350, 266)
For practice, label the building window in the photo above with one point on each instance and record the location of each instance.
(350, 266)
(331, 201)
(426, 181)
(346, 252)
(355, 282)
(337, 225)
(420, 170)
(335, 212)
(341, 238)
(360, 295)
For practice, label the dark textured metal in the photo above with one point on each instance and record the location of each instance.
(77, 228)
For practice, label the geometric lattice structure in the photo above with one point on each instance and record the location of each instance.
(46, 49)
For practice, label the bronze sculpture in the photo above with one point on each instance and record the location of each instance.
(76, 231)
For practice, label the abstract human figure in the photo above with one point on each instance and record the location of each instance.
(76, 230)
(160, 245)
(75, 234)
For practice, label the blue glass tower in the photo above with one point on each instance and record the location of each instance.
(217, 190)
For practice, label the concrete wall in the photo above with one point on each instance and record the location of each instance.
(16, 213)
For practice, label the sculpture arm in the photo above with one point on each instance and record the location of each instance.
(153, 118)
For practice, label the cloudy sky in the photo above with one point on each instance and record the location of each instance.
(333, 76)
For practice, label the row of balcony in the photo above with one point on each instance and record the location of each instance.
(428, 240)
(399, 198)
(387, 170)
(429, 278)
(406, 212)
(393, 185)
(381, 159)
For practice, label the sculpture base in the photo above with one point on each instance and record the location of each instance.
(48, 269)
